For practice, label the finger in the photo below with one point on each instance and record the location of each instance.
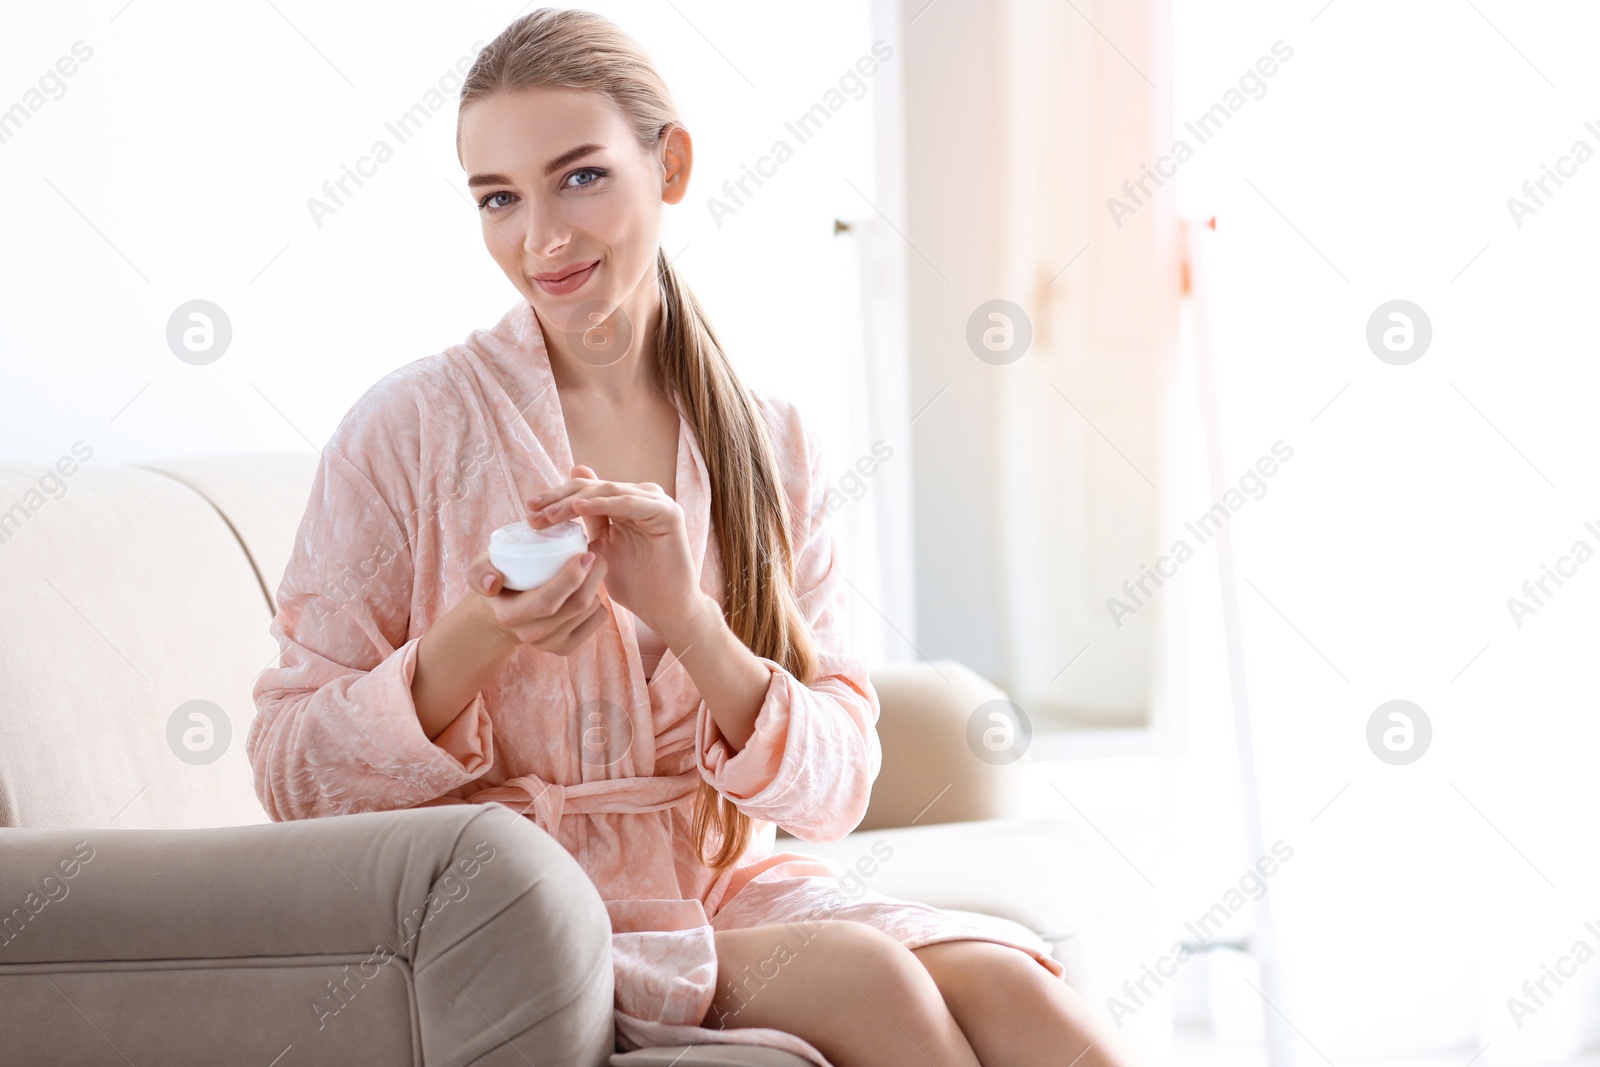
(577, 606)
(644, 511)
(548, 505)
(589, 488)
(561, 491)
(548, 499)
(484, 577)
(583, 601)
(545, 600)
(585, 629)
(594, 528)
(552, 515)
(572, 507)
(590, 585)
(581, 475)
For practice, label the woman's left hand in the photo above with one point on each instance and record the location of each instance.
(641, 533)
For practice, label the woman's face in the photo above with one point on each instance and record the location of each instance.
(561, 184)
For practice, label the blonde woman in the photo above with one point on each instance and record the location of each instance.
(667, 700)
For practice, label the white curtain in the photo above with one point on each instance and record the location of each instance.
(1077, 420)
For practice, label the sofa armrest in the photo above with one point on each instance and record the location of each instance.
(446, 935)
(930, 773)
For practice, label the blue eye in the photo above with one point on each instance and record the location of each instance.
(598, 175)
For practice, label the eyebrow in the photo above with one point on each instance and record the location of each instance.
(550, 168)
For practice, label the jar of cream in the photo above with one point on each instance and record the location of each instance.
(528, 558)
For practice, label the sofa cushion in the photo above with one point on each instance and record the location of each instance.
(1053, 877)
(128, 597)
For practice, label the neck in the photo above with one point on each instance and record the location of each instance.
(589, 358)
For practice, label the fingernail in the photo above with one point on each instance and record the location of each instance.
(588, 558)
(488, 582)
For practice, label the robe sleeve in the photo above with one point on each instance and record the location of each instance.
(336, 730)
(810, 764)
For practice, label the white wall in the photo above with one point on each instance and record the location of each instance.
(177, 160)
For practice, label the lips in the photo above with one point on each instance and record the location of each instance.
(556, 276)
(558, 283)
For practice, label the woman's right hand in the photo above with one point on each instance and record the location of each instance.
(558, 616)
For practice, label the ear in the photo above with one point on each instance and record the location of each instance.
(677, 160)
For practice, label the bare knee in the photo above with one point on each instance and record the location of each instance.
(975, 973)
(1013, 1010)
(854, 954)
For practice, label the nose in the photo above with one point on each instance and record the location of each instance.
(545, 236)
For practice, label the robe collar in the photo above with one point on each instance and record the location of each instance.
(516, 351)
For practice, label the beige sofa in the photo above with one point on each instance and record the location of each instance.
(151, 913)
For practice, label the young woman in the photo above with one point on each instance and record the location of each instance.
(666, 701)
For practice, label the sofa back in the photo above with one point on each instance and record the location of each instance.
(135, 625)
(139, 603)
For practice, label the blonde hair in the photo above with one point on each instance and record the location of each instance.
(572, 49)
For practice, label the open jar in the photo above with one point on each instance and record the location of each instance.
(527, 558)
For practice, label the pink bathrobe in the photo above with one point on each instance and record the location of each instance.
(424, 466)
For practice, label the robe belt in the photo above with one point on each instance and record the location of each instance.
(547, 802)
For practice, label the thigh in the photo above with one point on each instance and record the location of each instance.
(855, 993)
(749, 964)
(773, 974)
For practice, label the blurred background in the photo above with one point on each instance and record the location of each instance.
(1287, 305)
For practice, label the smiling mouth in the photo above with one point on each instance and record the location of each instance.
(563, 277)
(569, 282)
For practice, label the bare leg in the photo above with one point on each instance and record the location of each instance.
(1015, 1013)
(855, 993)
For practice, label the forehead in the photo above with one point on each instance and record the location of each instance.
(517, 133)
